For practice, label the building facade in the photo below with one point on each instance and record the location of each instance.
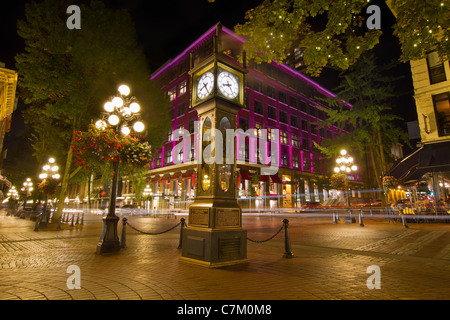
(8, 103)
(430, 163)
(276, 97)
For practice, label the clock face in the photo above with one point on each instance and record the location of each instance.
(205, 85)
(228, 84)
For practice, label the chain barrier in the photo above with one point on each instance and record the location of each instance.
(151, 233)
(287, 242)
(270, 238)
(125, 222)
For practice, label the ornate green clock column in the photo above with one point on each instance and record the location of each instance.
(214, 236)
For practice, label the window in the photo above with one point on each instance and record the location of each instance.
(294, 121)
(442, 110)
(258, 107)
(306, 164)
(172, 93)
(283, 117)
(305, 143)
(180, 131)
(302, 106)
(293, 102)
(168, 157)
(191, 126)
(169, 135)
(282, 97)
(258, 128)
(243, 124)
(295, 141)
(271, 112)
(284, 137)
(284, 160)
(271, 91)
(192, 151)
(313, 129)
(329, 134)
(258, 85)
(180, 155)
(181, 109)
(436, 69)
(295, 161)
(158, 160)
(304, 125)
(243, 151)
(182, 87)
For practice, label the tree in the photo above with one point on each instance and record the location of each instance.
(363, 113)
(67, 75)
(334, 33)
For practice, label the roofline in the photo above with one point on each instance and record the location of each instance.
(171, 63)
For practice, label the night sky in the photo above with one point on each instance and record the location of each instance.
(166, 28)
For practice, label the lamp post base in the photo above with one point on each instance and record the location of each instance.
(109, 240)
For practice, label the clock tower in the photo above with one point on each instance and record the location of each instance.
(214, 236)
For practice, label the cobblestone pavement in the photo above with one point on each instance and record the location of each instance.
(330, 262)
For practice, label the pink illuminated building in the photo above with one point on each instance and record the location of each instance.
(276, 97)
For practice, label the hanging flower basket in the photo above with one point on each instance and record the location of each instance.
(95, 148)
(48, 186)
(389, 182)
(338, 181)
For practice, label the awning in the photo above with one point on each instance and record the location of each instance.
(165, 178)
(435, 157)
(264, 178)
(275, 178)
(175, 176)
(155, 179)
(406, 170)
(432, 157)
(245, 175)
(188, 174)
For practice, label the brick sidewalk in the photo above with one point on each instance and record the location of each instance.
(330, 262)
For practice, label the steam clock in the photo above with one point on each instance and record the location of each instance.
(214, 236)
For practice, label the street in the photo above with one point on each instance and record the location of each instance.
(331, 261)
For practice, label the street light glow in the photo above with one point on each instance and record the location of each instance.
(113, 120)
(135, 107)
(343, 152)
(117, 102)
(138, 126)
(124, 90)
(109, 106)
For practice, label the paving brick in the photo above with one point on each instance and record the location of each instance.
(330, 262)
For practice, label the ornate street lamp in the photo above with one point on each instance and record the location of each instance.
(122, 113)
(345, 165)
(27, 187)
(49, 171)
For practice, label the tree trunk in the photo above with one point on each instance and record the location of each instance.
(64, 185)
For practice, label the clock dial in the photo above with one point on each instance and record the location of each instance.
(205, 85)
(228, 84)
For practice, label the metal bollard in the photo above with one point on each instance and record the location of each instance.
(183, 225)
(38, 222)
(78, 218)
(361, 224)
(82, 219)
(73, 219)
(335, 220)
(287, 242)
(58, 227)
(405, 225)
(124, 233)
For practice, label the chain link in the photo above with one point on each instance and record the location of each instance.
(154, 233)
(270, 238)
